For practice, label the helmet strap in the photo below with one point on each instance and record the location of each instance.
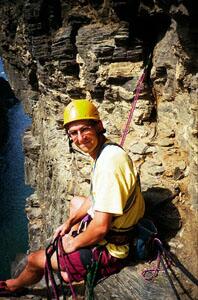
(71, 149)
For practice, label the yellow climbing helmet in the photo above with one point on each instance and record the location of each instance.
(82, 109)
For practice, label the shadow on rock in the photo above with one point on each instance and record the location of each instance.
(162, 211)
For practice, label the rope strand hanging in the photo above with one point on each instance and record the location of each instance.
(134, 102)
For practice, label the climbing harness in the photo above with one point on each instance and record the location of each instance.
(166, 259)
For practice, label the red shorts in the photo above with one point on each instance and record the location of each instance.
(76, 263)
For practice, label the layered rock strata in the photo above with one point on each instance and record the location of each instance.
(55, 51)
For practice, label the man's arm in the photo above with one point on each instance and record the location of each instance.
(75, 217)
(94, 233)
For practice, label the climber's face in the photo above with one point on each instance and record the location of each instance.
(85, 136)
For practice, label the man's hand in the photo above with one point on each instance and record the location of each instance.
(95, 232)
(68, 243)
(62, 229)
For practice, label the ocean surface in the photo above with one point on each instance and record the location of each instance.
(2, 73)
(13, 191)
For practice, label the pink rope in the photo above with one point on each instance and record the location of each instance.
(62, 254)
(48, 273)
(133, 105)
(150, 274)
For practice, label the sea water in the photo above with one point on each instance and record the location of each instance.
(13, 192)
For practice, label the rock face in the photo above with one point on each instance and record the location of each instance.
(56, 50)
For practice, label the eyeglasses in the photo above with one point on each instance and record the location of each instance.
(83, 131)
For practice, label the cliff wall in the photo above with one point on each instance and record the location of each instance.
(55, 51)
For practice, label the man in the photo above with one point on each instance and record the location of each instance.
(115, 205)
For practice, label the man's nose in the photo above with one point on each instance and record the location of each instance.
(80, 136)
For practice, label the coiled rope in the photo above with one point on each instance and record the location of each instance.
(167, 260)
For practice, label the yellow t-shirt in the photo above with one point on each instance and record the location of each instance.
(113, 181)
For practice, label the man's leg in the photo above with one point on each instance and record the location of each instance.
(32, 273)
(75, 204)
(34, 269)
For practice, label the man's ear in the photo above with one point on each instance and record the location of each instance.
(99, 127)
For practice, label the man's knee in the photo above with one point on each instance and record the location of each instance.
(36, 260)
(65, 276)
(76, 202)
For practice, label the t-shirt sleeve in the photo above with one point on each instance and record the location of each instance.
(113, 183)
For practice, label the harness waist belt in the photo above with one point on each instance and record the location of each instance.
(121, 238)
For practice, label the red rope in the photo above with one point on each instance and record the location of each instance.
(63, 254)
(133, 105)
